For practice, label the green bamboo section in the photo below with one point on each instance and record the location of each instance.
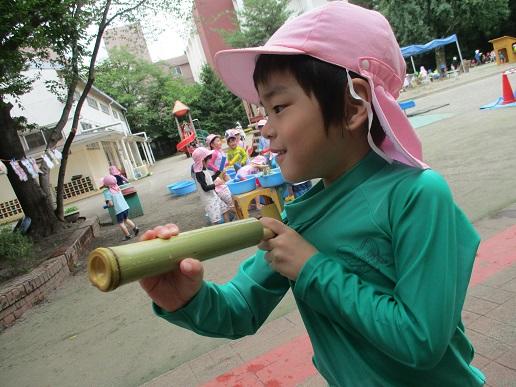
(111, 267)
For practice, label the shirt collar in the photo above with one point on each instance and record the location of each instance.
(314, 203)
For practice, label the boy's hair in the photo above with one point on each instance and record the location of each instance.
(314, 76)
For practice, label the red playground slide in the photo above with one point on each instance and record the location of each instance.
(182, 146)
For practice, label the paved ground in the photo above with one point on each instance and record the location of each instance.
(87, 338)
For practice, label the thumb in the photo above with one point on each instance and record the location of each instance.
(192, 268)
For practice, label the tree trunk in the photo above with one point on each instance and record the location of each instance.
(31, 197)
(440, 58)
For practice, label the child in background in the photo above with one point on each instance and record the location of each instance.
(263, 143)
(216, 164)
(237, 155)
(114, 198)
(215, 208)
(257, 164)
(377, 254)
(120, 179)
(218, 157)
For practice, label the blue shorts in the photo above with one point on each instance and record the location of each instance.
(120, 217)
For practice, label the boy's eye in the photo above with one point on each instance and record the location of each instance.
(278, 108)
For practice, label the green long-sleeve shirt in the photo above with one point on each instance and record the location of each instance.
(382, 298)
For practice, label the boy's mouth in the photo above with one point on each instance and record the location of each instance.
(278, 151)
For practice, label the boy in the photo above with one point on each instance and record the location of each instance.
(377, 254)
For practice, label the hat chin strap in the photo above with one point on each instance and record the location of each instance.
(369, 120)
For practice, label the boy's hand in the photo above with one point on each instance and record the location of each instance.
(287, 251)
(173, 290)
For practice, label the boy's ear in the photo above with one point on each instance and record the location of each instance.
(356, 111)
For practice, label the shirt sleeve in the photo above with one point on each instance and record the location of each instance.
(202, 181)
(243, 153)
(235, 309)
(434, 247)
(211, 163)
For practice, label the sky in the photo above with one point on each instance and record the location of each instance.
(168, 43)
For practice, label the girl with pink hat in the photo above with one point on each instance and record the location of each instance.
(377, 254)
(217, 163)
(114, 198)
(218, 157)
(215, 208)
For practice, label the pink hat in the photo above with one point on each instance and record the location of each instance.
(348, 36)
(110, 182)
(114, 170)
(210, 138)
(198, 156)
(259, 160)
(231, 133)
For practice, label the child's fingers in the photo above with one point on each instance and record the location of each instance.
(274, 225)
(163, 232)
(192, 268)
(148, 235)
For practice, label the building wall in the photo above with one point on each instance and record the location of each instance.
(129, 37)
(172, 64)
(6, 191)
(43, 108)
(210, 17)
(195, 54)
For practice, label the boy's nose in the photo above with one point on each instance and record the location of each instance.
(267, 131)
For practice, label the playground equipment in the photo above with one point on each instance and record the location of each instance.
(186, 128)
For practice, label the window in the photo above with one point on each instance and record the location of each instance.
(86, 126)
(115, 114)
(92, 103)
(104, 108)
(177, 71)
(35, 140)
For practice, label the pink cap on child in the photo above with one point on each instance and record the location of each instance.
(350, 37)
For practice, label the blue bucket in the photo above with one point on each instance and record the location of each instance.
(273, 179)
(182, 188)
(237, 187)
(231, 173)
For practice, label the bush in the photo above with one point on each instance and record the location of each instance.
(15, 248)
(71, 210)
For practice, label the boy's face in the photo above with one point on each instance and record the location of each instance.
(297, 133)
(232, 142)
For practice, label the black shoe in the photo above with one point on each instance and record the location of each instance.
(136, 230)
(126, 238)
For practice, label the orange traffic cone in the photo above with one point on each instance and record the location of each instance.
(508, 95)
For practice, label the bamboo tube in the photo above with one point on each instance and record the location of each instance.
(111, 267)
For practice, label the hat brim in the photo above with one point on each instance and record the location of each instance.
(236, 68)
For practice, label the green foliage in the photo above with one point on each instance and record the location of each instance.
(71, 210)
(257, 21)
(147, 90)
(418, 21)
(29, 31)
(216, 107)
(15, 248)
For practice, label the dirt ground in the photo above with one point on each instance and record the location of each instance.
(82, 337)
